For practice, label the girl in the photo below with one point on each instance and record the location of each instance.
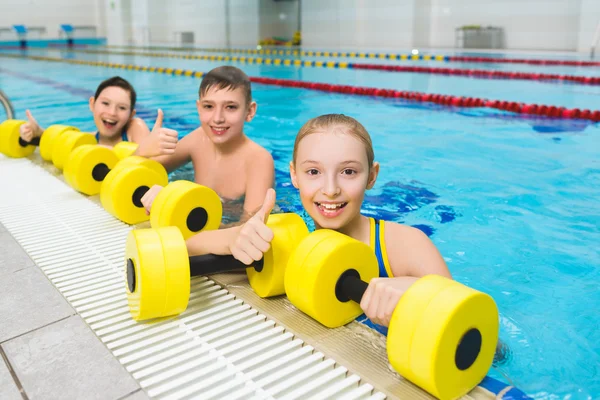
(332, 167)
(113, 109)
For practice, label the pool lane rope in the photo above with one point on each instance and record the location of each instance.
(471, 73)
(446, 100)
(383, 56)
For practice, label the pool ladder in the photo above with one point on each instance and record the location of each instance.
(8, 107)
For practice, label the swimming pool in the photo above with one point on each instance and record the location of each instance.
(510, 200)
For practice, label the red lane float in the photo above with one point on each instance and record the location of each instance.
(481, 73)
(572, 63)
(456, 101)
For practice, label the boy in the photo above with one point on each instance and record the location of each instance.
(223, 157)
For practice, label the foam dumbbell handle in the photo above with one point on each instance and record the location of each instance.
(123, 150)
(99, 172)
(136, 198)
(205, 264)
(350, 287)
(34, 142)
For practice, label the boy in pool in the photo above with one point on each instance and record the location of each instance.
(223, 157)
(113, 109)
(332, 166)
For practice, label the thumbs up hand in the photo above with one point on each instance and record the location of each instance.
(161, 141)
(30, 129)
(254, 237)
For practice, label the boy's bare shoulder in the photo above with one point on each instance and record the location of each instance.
(255, 153)
(196, 134)
(195, 141)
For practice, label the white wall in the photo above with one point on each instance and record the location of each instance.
(99, 14)
(244, 22)
(356, 24)
(528, 24)
(158, 21)
(115, 32)
(343, 24)
(140, 31)
(278, 18)
(422, 23)
(47, 13)
(588, 21)
(403, 24)
(207, 19)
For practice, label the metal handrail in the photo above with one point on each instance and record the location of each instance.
(8, 107)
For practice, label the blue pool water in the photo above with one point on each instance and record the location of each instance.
(510, 201)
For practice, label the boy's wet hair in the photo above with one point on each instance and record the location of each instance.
(226, 77)
(328, 121)
(118, 82)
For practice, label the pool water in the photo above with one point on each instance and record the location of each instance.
(511, 201)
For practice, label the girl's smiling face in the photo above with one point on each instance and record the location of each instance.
(112, 111)
(332, 173)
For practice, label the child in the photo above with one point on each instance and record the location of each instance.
(332, 166)
(223, 157)
(113, 108)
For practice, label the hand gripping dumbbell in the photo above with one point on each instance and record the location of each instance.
(12, 145)
(158, 267)
(87, 165)
(123, 187)
(442, 335)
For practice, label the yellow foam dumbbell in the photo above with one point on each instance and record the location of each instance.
(87, 166)
(442, 335)
(158, 267)
(12, 145)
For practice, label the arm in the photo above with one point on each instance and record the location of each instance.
(180, 155)
(224, 241)
(411, 256)
(212, 242)
(260, 176)
(162, 144)
(247, 242)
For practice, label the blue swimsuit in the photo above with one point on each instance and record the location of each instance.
(123, 137)
(378, 245)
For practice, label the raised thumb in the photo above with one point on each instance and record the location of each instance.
(267, 205)
(159, 119)
(30, 117)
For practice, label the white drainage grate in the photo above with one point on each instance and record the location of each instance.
(220, 347)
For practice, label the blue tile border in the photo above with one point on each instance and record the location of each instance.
(53, 42)
(495, 386)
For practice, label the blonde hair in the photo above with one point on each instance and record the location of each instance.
(329, 121)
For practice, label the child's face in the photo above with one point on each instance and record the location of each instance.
(223, 113)
(332, 174)
(112, 111)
